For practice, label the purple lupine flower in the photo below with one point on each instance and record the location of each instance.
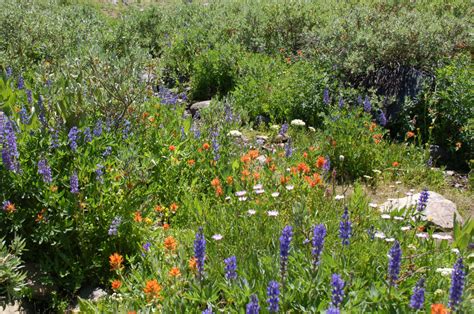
(113, 229)
(98, 128)
(74, 183)
(252, 306)
(327, 164)
(326, 99)
(417, 299)
(200, 252)
(429, 162)
(87, 135)
(367, 105)
(371, 232)
(21, 82)
(230, 268)
(41, 112)
(24, 115)
(285, 241)
(9, 72)
(54, 138)
(45, 171)
(394, 262)
(288, 149)
(146, 247)
(457, 284)
(108, 124)
(99, 171)
(345, 228)
(229, 117)
(196, 131)
(126, 129)
(215, 144)
(333, 310)
(337, 292)
(2, 126)
(29, 96)
(422, 200)
(341, 103)
(359, 100)
(284, 129)
(10, 153)
(382, 120)
(319, 234)
(273, 294)
(73, 135)
(167, 96)
(107, 151)
(207, 311)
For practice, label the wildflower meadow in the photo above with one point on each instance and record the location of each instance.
(236, 157)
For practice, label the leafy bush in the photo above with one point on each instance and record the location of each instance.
(12, 278)
(281, 91)
(214, 72)
(445, 115)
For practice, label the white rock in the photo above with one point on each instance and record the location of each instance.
(439, 210)
(297, 122)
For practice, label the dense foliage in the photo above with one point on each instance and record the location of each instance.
(112, 182)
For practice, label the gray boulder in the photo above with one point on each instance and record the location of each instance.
(439, 210)
(199, 106)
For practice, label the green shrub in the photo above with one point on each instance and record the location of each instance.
(281, 91)
(444, 116)
(214, 72)
(12, 278)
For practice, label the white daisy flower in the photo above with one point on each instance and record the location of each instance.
(240, 193)
(251, 212)
(422, 235)
(444, 271)
(379, 235)
(290, 187)
(275, 194)
(272, 213)
(385, 216)
(339, 197)
(442, 236)
(217, 237)
(234, 133)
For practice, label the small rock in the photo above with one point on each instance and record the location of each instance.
(97, 294)
(199, 106)
(14, 308)
(449, 173)
(439, 210)
(280, 138)
(262, 137)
